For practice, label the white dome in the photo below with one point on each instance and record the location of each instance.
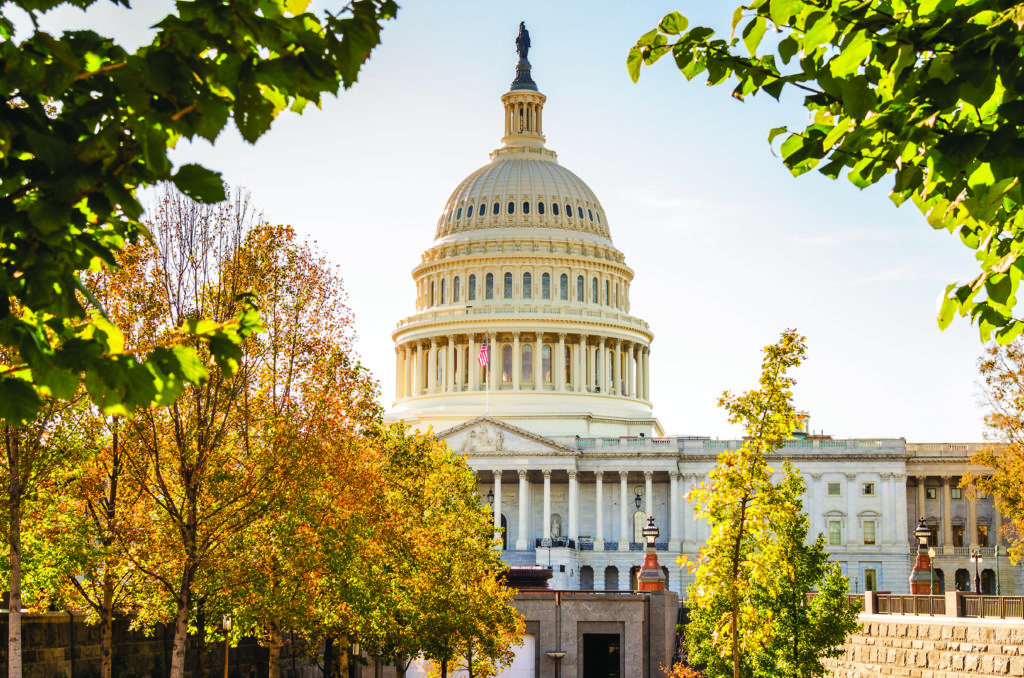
(524, 188)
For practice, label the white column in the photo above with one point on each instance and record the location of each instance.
(492, 366)
(602, 369)
(574, 531)
(919, 509)
(852, 527)
(559, 376)
(432, 367)
(673, 511)
(419, 370)
(816, 514)
(616, 380)
(524, 491)
(899, 496)
(472, 365)
(449, 369)
(623, 501)
(497, 505)
(647, 373)
(517, 361)
(599, 514)
(972, 521)
(631, 370)
(547, 507)
(947, 514)
(410, 363)
(580, 365)
(649, 492)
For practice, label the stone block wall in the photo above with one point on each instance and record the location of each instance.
(60, 645)
(932, 647)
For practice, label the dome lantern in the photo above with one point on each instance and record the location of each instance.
(523, 102)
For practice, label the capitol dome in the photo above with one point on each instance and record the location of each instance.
(523, 263)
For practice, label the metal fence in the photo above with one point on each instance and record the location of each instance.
(994, 607)
(888, 603)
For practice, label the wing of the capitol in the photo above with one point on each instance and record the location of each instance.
(523, 355)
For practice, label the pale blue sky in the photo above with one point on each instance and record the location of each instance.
(727, 247)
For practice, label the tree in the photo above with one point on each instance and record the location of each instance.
(927, 92)
(87, 123)
(753, 573)
(430, 528)
(1002, 373)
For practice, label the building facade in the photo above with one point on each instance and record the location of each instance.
(558, 423)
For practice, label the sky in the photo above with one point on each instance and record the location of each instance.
(727, 247)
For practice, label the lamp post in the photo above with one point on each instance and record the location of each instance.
(225, 624)
(922, 566)
(490, 496)
(999, 588)
(931, 565)
(976, 558)
(354, 654)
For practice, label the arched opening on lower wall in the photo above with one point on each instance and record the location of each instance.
(988, 582)
(611, 578)
(940, 582)
(963, 580)
(634, 573)
(586, 578)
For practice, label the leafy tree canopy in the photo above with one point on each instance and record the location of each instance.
(87, 123)
(926, 94)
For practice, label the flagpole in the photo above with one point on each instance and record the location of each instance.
(487, 374)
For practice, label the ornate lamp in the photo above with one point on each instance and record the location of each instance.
(225, 625)
(976, 559)
(490, 496)
(636, 500)
(651, 578)
(920, 583)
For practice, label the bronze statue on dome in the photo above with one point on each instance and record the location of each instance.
(523, 41)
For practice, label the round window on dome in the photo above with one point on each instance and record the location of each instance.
(497, 209)
(469, 213)
(483, 209)
(511, 207)
(568, 210)
(540, 208)
(526, 208)
(554, 208)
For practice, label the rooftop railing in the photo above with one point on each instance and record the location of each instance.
(532, 310)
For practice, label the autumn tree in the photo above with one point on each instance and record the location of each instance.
(754, 566)
(926, 97)
(426, 583)
(1002, 374)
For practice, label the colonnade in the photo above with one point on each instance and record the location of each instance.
(529, 360)
(971, 536)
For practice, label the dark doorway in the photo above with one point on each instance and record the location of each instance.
(504, 532)
(601, 655)
(586, 578)
(988, 583)
(962, 580)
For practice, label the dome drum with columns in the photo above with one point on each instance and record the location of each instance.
(523, 259)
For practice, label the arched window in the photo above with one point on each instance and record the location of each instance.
(611, 578)
(471, 292)
(607, 294)
(450, 215)
(458, 214)
(511, 207)
(593, 290)
(586, 578)
(568, 366)
(526, 208)
(526, 373)
(579, 288)
(554, 208)
(444, 291)
(496, 209)
(599, 217)
(506, 362)
(590, 212)
(545, 363)
(540, 208)
(579, 211)
(508, 285)
(563, 287)
(469, 212)
(527, 286)
(545, 286)
(483, 209)
(568, 210)
(455, 290)
(489, 286)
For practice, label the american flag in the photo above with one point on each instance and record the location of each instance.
(485, 353)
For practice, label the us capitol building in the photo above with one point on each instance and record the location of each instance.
(559, 425)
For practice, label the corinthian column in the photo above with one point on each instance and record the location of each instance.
(472, 365)
(573, 500)
(947, 515)
(616, 380)
(623, 497)
(432, 367)
(599, 512)
(524, 490)
(559, 365)
(547, 508)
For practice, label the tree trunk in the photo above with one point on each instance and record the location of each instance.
(181, 628)
(444, 668)
(14, 502)
(107, 627)
(329, 657)
(274, 658)
(400, 668)
(199, 660)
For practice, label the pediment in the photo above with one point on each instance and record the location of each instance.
(484, 435)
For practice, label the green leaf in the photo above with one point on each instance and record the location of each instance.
(752, 34)
(633, 62)
(853, 52)
(981, 177)
(782, 10)
(674, 23)
(947, 307)
(858, 98)
(19, 402)
(189, 366)
(200, 184)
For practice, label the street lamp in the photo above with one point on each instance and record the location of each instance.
(921, 565)
(354, 654)
(636, 500)
(931, 565)
(976, 558)
(225, 625)
(999, 588)
(651, 533)
(490, 496)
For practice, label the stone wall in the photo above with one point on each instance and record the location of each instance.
(932, 647)
(60, 645)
